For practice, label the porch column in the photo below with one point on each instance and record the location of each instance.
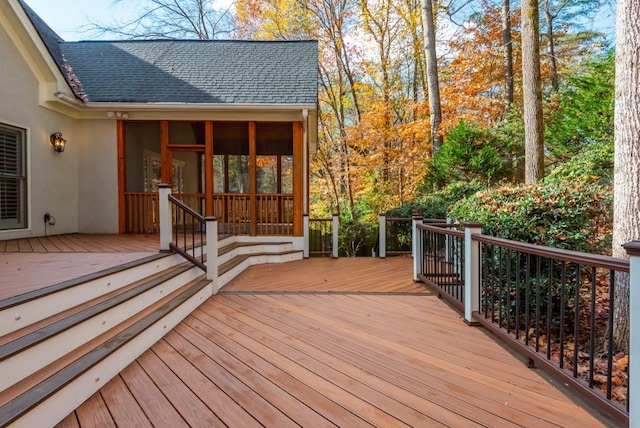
(416, 245)
(633, 250)
(164, 190)
(335, 225)
(305, 233)
(471, 272)
(212, 251)
(382, 236)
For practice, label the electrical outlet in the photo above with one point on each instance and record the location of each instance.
(47, 217)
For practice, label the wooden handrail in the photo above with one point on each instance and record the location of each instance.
(186, 208)
(442, 228)
(621, 265)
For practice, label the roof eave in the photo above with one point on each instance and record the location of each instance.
(185, 106)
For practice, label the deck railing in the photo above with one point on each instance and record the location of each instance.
(321, 236)
(274, 214)
(186, 232)
(394, 235)
(189, 232)
(554, 306)
(141, 212)
(442, 264)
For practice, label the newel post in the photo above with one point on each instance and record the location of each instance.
(382, 237)
(471, 272)
(335, 225)
(416, 245)
(212, 251)
(305, 234)
(633, 250)
(164, 190)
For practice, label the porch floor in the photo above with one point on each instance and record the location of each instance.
(34, 263)
(329, 343)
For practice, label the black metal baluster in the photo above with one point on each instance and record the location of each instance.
(576, 322)
(592, 326)
(538, 275)
(549, 305)
(612, 281)
(563, 285)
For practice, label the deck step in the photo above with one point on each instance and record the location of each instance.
(30, 352)
(20, 399)
(234, 267)
(33, 307)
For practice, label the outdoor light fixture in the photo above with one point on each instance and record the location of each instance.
(57, 142)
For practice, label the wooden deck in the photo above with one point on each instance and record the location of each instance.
(382, 353)
(33, 263)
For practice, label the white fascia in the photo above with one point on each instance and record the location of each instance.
(181, 106)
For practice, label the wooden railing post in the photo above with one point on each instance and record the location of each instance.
(416, 245)
(305, 234)
(633, 250)
(212, 251)
(164, 208)
(382, 237)
(471, 272)
(335, 225)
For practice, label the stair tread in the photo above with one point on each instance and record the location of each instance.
(29, 392)
(35, 294)
(41, 331)
(227, 266)
(234, 245)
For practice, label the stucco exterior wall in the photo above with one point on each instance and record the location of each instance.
(52, 177)
(97, 147)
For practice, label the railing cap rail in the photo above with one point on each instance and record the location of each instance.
(578, 257)
(472, 224)
(633, 248)
(442, 229)
(187, 208)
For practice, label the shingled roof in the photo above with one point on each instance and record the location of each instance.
(186, 71)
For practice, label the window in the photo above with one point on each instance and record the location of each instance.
(13, 179)
(152, 170)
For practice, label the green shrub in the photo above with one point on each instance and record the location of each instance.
(353, 236)
(471, 153)
(572, 215)
(593, 163)
(435, 204)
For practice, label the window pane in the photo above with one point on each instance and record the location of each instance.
(13, 197)
(238, 174)
(186, 133)
(274, 138)
(218, 174)
(231, 138)
(287, 174)
(267, 174)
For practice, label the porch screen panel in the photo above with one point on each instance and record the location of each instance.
(274, 178)
(13, 178)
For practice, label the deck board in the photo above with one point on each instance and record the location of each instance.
(336, 343)
(32, 263)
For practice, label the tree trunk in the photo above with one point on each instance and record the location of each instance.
(626, 207)
(507, 47)
(432, 74)
(532, 93)
(553, 65)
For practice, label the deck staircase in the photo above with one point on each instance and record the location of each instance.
(61, 344)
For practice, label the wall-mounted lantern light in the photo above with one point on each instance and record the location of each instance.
(57, 142)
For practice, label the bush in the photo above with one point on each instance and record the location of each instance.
(353, 237)
(436, 204)
(593, 164)
(572, 215)
(471, 153)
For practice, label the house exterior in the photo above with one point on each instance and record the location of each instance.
(230, 124)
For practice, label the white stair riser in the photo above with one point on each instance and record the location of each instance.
(19, 316)
(21, 365)
(256, 260)
(257, 248)
(69, 398)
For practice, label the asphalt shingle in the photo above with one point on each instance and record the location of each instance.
(186, 71)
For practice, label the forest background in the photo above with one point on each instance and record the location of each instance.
(383, 147)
